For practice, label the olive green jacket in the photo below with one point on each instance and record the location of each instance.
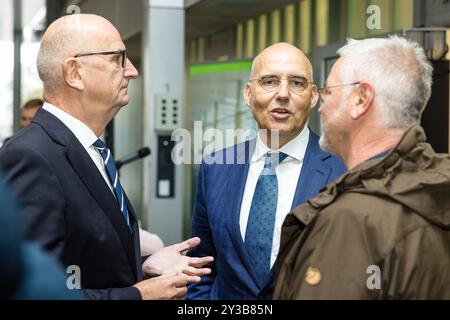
(380, 231)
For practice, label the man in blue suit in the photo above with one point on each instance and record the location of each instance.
(240, 205)
(65, 177)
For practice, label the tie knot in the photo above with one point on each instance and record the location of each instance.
(273, 159)
(100, 145)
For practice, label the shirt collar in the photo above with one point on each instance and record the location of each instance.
(296, 148)
(83, 133)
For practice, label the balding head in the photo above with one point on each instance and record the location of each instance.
(279, 52)
(66, 37)
(281, 93)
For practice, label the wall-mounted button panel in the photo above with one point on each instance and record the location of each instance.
(167, 112)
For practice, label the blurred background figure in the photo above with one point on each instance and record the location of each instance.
(27, 272)
(28, 111)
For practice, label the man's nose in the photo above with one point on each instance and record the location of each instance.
(283, 91)
(130, 71)
(322, 107)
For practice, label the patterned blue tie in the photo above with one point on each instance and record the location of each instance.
(261, 220)
(113, 176)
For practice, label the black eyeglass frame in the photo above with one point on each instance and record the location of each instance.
(106, 53)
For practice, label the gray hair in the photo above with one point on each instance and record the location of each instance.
(399, 71)
(49, 63)
(59, 42)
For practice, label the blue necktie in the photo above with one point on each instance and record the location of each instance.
(261, 220)
(113, 176)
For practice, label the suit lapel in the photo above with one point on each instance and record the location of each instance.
(137, 243)
(314, 174)
(91, 178)
(94, 182)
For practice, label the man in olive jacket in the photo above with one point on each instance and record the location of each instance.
(382, 230)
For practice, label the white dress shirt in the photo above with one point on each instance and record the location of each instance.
(288, 173)
(84, 134)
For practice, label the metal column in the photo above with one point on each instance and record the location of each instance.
(17, 65)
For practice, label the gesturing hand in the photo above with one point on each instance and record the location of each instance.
(171, 259)
(169, 286)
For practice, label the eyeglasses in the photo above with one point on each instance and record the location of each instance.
(121, 52)
(296, 84)
(325, 91)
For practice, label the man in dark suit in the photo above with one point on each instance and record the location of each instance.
(241, 205)
(66, 179)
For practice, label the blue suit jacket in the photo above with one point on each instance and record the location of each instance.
(216, 214)
(69, 210)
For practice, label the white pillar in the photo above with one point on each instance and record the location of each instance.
(163, 71)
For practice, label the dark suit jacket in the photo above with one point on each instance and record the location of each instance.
(216, 214)
(70, 210)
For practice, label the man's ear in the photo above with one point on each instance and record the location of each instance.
(247, 93)
(314, 96)
(71, 74)
(362, 100)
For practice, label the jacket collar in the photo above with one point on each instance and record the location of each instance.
(352, 178)
(83, 133)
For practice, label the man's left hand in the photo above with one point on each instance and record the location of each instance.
(171, 259)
